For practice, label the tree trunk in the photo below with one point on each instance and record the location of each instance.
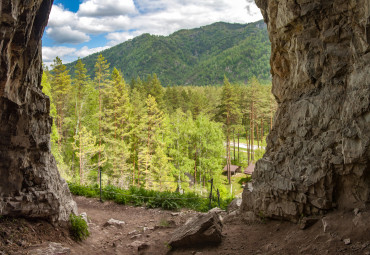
(234, 142)
(195, 166)
(238, 149)
(252, 132)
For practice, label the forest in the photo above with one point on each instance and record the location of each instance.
(199, 56)
(141, 134)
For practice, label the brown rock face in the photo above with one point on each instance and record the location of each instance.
(318, 153)
(30, 184)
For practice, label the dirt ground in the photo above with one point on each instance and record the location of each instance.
(151, 229)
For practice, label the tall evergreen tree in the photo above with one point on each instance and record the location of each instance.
(229, 115)
(102, 82)
(61, 90)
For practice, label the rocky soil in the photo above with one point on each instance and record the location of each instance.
(147, 231)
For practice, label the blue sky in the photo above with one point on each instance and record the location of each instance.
(78, 28)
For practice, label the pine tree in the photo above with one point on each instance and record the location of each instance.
(61, 90)
(116, 125)
(229, 115)
(152, 122)
(85, 148)
(101, 80)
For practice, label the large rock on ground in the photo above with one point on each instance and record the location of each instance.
(30, 184)
(201, 229)
(318, 152)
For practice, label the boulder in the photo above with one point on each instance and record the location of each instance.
(234, 205)
(201, 229)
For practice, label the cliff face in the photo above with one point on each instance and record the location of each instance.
(318, 152)
(30, 184)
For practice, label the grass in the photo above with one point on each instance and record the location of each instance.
(150, 198)
(237, 182)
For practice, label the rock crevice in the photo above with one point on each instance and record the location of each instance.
(318, 152)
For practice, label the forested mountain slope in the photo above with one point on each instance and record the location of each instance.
(197, 56)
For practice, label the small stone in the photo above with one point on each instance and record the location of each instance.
(139, 245)
(113, 222)
(347, 241)
(136, 236)
(175, 214)
(356, 211)
(84, 217)
(324, 224)
(132, 232)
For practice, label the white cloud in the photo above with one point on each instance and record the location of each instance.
(61, 17)
(102, 8)
(66, 34)
(95, 25)
(50, 53)
(85, 51)
(67, 54)
(119, 37)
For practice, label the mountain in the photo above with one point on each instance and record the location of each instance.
(197, 56)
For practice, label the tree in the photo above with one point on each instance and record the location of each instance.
(101, 80)
(152, 122)
(229, 115)
(85, 148)
(116, 125)
(60, 90)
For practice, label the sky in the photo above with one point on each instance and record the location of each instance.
(78, 28)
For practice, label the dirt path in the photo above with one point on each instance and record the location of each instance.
(270, 237)
(147, 231)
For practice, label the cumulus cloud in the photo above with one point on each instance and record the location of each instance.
(119, 37)
(66, 34)
(67, 54)
(50, 53)
(85, 51)
(104, 8)
(95, 25)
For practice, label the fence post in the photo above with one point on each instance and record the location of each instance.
(100, 182)
(218, 198)
(210, 194)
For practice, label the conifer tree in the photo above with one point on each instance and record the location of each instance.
(85, 147)
(101, 81)
(116, 125)
(61, 90)
(152, 122)
(229, 115)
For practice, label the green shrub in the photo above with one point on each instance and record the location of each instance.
(151, 198)
(170, 205)
(78, 227)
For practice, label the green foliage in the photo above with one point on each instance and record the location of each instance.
(198, 56)
(150, 198)
(78, 227)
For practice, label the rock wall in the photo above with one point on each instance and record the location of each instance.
(30, 184)
(318, 152)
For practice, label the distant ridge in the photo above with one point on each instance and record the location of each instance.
(200, 56)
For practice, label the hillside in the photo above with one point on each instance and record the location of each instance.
(193, 57)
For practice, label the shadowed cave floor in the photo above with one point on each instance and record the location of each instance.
(154, 228)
